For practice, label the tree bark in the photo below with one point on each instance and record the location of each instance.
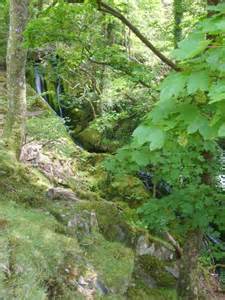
(14, 131)
(213, 2)
(188, 283)
(178, 15)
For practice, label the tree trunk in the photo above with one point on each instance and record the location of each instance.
(178, 15)
(14, 131)
(213, 2)
(188, 283)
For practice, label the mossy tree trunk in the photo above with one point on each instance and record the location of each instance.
(178, 11)
(189, 283)
(14, 131)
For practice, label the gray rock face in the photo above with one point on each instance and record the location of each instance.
(58, 193)
(146, 247)
(89, 285)
(55, 169)
(84, 223)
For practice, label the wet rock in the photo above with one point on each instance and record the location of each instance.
(58, 193)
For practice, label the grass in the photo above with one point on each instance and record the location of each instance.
(32, 252)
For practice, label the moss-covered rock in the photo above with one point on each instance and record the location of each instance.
(155, 270)
(140, 292)
(93, 140)
(112, 260)
(127, 188)
(32, 252)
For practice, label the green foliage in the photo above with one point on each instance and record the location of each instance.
(182, 126)
(3, 29)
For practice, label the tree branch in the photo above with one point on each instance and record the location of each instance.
(108, 9)
(121, 70)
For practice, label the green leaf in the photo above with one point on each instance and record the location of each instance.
(141, 135)
(221, 131)
(197, 123)
(157, 139)
(213, 25)
(188, 113)
(172, 86)
(217, 92)
(215, 58)
(192, 46)
(162, 110)
(141, 157)
(152, 135)
(198, 81)
(202, 125)
(217, 8)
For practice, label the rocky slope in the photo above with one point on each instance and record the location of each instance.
(59, 236)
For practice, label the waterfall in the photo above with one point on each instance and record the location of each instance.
(59, 92)
(38, 81)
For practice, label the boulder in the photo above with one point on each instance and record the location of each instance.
(59, 193)
(84, 223)
(129, 188)
(145, 246)
(56, 169)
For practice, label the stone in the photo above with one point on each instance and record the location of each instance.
(146, 247)
(88, 284)
(57, 170)
(84, 223)
(59, 193)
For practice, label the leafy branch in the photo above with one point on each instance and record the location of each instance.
(103, 7)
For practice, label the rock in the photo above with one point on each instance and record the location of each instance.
(88, 284)
(91, 138)
(94, 140)
(58, 193)
(129, 188)
(147, 247)
(153, 272)
(173, 270)
(57, 170)
(84, 223)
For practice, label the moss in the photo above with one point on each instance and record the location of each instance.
(113, 261)
(113, 220)
(140, 292)
(19, 182)
(36, 244)
(34, 253)
(93, 140)
(129, 188)
(155, 268)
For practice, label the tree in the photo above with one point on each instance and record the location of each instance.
(14, 131)
(181, 133)
(178, 15)
(117, 14)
